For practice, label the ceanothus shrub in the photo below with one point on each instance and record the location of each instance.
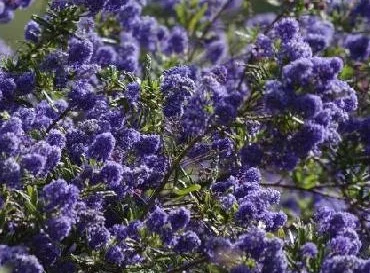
(204, 138)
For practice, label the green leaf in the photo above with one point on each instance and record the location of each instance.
(196, 18)
(214, 268)
(4, 115)
(347, 73)
(281, 233)
(41, 21)
(275, 3)
(309, 182)
(306, 176)
(192, 188)
(33, 194)
(27, 201)
(2, 218)
(181, 13)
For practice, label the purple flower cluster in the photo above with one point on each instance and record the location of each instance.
(344, 243)
(24, 155)
(309, 90)
(253, 201)
(130, 142)
(18, 259)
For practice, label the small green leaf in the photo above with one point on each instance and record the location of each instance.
(181, 13)
(196, 18)
(33, 194)
(309, 181)
(192, 188)
(347, 73)
(30, 207)
(275, 3)
(281, 233)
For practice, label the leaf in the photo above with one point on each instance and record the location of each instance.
(309, 181)
(291, 237)
(275, 3)
(30, 207)
(213, 268)
(2, 219)
(242, 34)
(298, 120)
(41, 21)
(181, 13)
(347, 73)
(4, 115)
(192, 188)
(196, 18)
(281, 233)
(33, 194)
(48, 98)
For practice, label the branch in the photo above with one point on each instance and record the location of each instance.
(293, 187)
(208, 28)
(280, 16)
(61, 116)
(187, 266)
(173, 167)
(268, 28)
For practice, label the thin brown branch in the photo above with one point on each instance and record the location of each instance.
(294, 187)
(61, 116)
(208, 28)
(169, 173)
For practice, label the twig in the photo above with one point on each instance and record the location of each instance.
(293, 187)
(281, 15)
(208, 27)
(173, 167)
(268, 28)
(61, 116)
(187, 266)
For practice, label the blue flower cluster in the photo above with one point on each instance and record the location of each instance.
(19, 260)
(344, 243)
(135, 141)
(308, 89)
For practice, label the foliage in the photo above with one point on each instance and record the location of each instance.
(204, 139)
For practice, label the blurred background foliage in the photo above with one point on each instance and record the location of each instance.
(13, 32)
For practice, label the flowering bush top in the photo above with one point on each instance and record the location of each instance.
(137, 140)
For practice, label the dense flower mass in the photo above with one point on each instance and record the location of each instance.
(205, 138)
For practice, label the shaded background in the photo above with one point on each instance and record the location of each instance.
(13, 32)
